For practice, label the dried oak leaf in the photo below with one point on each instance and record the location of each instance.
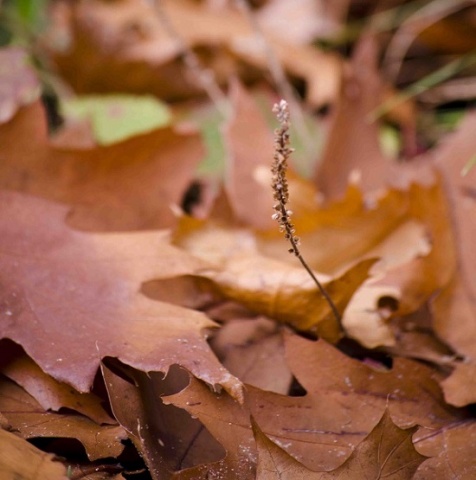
(287, 293)
(268, 287)
(93, 472)
(19, 459)
(416, 273)
(409, 230)
(30, 420)
(129, 185)
(51, 394)
(70, 298)
(229, 423)
(353, 152)
(452, 450)
(253, 351)
(167, 437)
(250, 148)
(344, 401)
(123, 36)
(386, 452)
(454, 308)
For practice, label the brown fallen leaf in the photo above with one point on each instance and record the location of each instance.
(54, 395)
(130, 185)
(19, 459)
(286, 293)
(411, 278)
(407, 229)
(123, 36)
(70, 298)
(266, 286)
(92, 473)
(352, 151)
(387, 452)
(30, 420)
(451, 449)
(344, 401)
(454, 308)
(167, 437)
(229, 423)
(253, 351)
(415, 338)
(250, 152)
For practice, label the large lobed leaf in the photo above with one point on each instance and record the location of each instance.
(71, 298)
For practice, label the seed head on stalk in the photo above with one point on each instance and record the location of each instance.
(282, 214)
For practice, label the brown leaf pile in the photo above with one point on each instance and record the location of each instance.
(138, 340)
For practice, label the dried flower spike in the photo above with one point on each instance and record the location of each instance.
(282, 152)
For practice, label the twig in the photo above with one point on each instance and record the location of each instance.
(282, 152)
(205, 77)
(277, 72)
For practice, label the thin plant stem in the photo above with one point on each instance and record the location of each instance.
(205, 77)
(277, 72)
(282, 152)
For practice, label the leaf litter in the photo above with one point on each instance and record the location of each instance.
(139, 341)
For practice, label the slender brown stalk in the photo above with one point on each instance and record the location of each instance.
(204, 77)
(278, 74)
(282, 152)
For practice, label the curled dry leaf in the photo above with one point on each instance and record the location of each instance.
(167, 437)
(408, 229)
(420, 266)
(70, 298)
(130, 185)
(229, 423)
(20, 459)
(268, 287)
(253, 351)
(353, 152)
(287, 293)
(54, 395)
(30, 420)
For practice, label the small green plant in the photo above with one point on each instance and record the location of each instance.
(282, 152)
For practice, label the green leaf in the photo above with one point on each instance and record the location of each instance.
(117, 117)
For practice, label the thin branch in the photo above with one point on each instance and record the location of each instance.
(282, 152)
(205, 77)
(277, 72)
